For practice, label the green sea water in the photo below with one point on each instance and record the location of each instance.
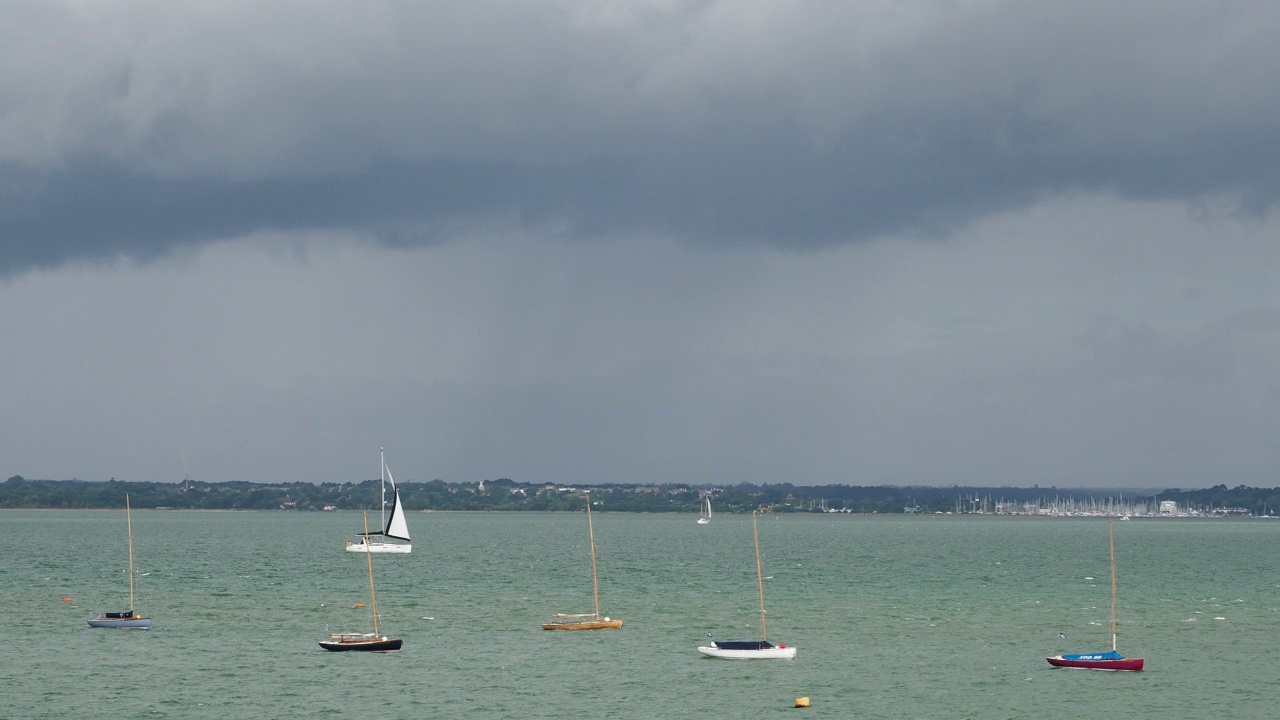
(894, 617)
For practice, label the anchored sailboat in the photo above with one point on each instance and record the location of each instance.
(129, 619)
(394, 527)
(586, 621)
(1111, 659)
(760, 649)
(368, 642)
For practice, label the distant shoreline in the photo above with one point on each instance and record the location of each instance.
(505, 495)
(922, 517)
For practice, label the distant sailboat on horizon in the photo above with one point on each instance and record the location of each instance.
(704, 517)
(394, 527)
(129, 619)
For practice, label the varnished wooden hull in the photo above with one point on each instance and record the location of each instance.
(584, 625)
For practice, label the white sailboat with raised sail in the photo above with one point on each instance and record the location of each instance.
(129, 619)
(394, 526)
(704, 517)
(760, 649)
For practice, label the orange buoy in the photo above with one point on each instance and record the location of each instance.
(359, 605)
(67, 599)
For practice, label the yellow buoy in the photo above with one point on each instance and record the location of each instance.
(802, 702)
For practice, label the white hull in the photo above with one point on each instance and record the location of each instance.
(704, 521)
(775, 653)
(379, 548)
(133, 623)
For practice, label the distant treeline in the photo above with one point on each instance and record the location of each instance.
(505, 494)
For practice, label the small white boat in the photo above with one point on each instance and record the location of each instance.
(760, 649)
(748, 650)
(129, 619)
(704, 517)
(394, 527)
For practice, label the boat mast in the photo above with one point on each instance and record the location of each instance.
(1112, 538)
(764, 633)
(382, 507)
(373, 599)
(128, 514)
(591, 534)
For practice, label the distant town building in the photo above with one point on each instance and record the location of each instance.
(1168, 507)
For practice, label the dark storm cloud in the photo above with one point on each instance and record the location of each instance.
(798, 125)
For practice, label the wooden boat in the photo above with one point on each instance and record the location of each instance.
(394, 526)
(704, 517)
(760, 649)
(586, 621)
(581, 621)
(1111, 659)
(367, 642)
(129, 619)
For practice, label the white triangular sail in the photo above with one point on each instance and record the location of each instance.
(396, 525)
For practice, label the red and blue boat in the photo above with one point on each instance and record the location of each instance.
(1109, 660)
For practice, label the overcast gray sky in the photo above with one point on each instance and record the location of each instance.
(899, 242)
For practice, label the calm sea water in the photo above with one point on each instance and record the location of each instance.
(894, 617)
